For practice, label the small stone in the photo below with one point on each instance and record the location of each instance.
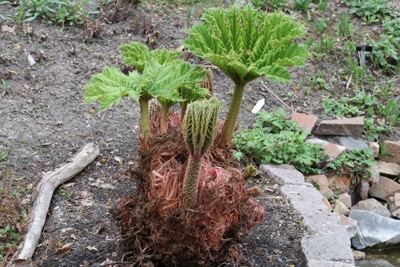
(362, 190)
(322, 184)
(396, 214)
(327, 204)
(387, 168)
(392, 151)
(358, 255)
(373, 205)
(374, 178)
(394, 202)
(340, 183)
(375, 147)
(341, 208)
(345, 199)
(332, 150)
(306, 122)
(384, 188)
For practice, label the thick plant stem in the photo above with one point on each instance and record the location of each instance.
(233, 113)
(144, 123)
(190, 183)
(164, 118)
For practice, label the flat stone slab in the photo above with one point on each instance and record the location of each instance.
(352, 143)
(328, 241)
(387, 168)
(319, 263)
(330, 246)
(283, 174)
(392, 150)
(306, 122)
(351, 127)
(332, 150)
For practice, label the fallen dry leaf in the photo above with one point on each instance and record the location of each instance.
(31, 60)
(5, 28)
(86, 202)
(107, 262)
(118, 159)
(85, 194)
(66, 229)
(99, 230)
(63, 249)
(99, 183)
(25, 201)
(92, 248)
(67, 185)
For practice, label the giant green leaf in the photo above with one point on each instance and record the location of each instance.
(110, 86)
(244, 42)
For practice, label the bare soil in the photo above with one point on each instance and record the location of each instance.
(44, 122)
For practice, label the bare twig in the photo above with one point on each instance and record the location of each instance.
(277, 98)
(42, 197)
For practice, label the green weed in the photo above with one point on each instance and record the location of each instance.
(302, 5)
(323, 5)
(321, 24)
(5, 17)
(270, 4)
(3, 155)
(370, 11)
(356, 164)
(345, 27)
(275, 139)
(324, 45)
(54, 11)
(369, 106)
(66, 192)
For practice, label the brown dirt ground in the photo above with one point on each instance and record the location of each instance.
(44, 122)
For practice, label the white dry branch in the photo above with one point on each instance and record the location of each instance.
(42, 197)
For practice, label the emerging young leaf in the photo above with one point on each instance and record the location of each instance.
(138, 55)
(162, 81)
(199, 125)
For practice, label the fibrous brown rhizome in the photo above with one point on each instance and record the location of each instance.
(159, 227)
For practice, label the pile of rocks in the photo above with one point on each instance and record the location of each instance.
(371, 207)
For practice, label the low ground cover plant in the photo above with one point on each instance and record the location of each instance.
(379, 114)
(356, 164)
(386, 48)
(274, 139)
(54, 11)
